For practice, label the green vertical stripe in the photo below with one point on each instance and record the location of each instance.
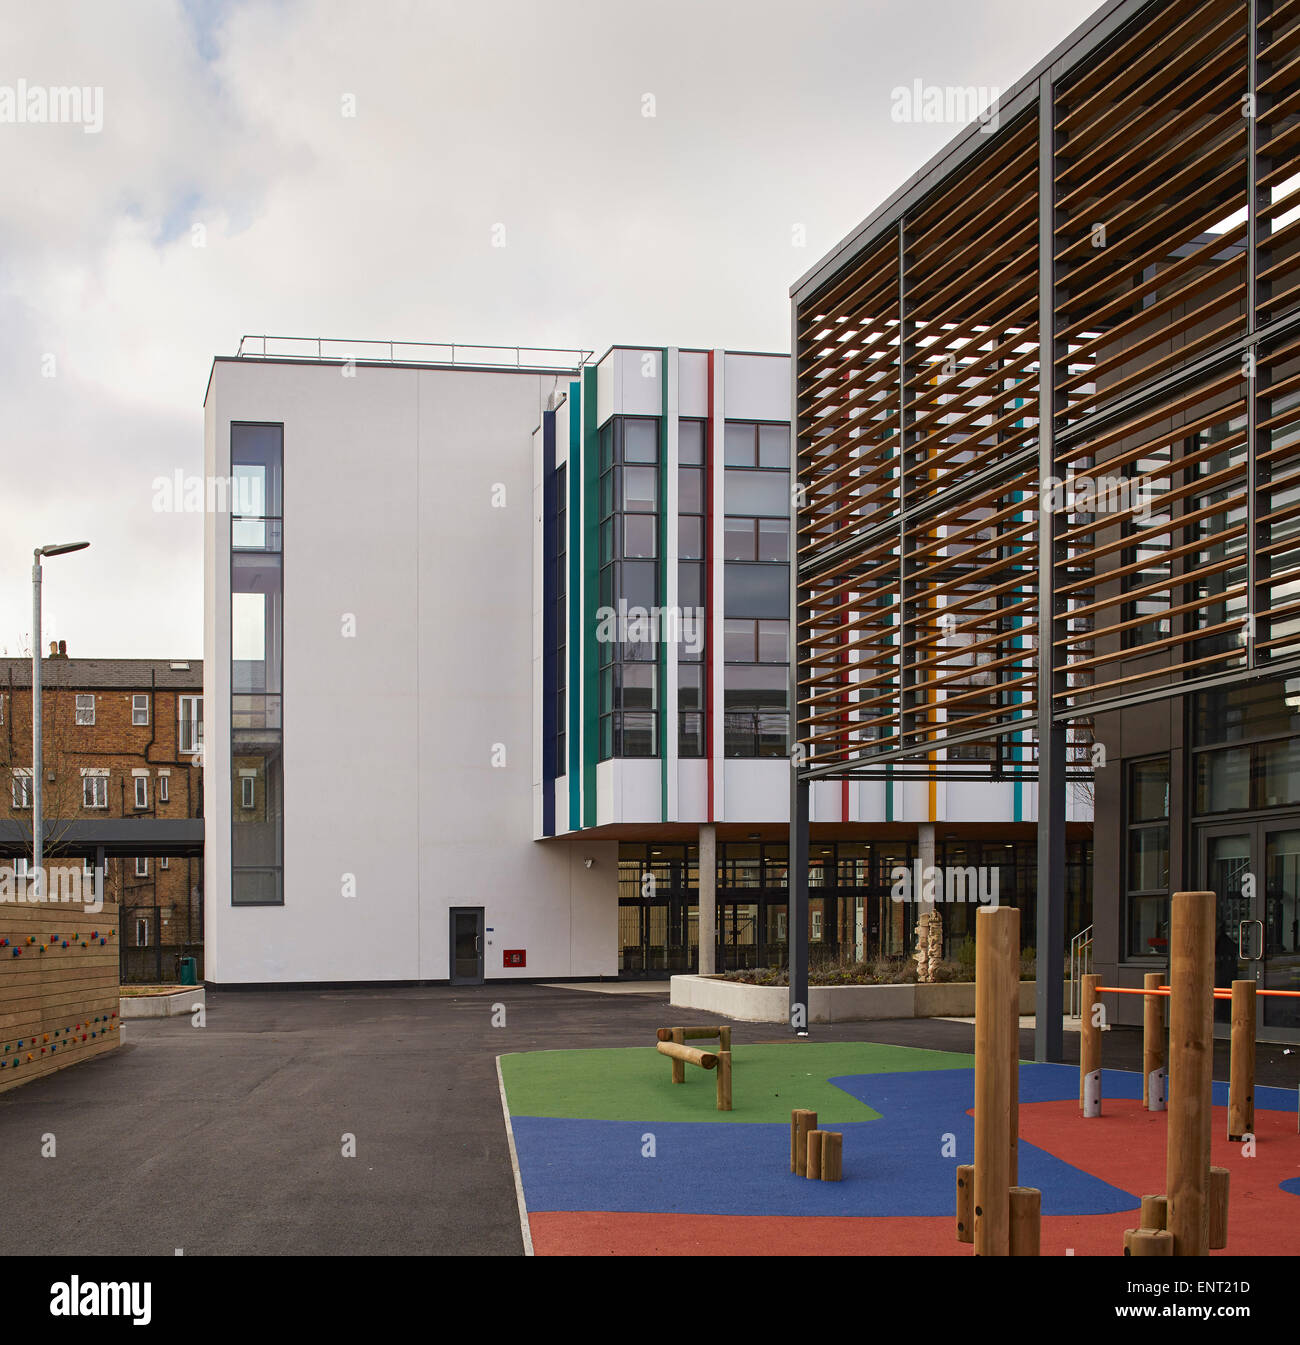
(591, 573)
(664, 561)
(574, 678)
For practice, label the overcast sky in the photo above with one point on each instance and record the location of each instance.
(224, 124)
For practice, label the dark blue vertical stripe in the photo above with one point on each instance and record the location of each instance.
(550, 632)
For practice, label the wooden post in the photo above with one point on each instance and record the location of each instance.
(1219, 1206)
(1014, 1169)
(1155, 1214)
(724, 1038)
(965, 1203)
(832, 1155)
(1191, 1047)
(813, 1163)
(724, 1080)
(1153, 1046)
(679, 1067)
(1241, 1072)
(997, 982)
(1148, 1242)
(1026, 1204)
(802, 1121)
(1090, 1049)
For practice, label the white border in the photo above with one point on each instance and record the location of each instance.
(514, 1163)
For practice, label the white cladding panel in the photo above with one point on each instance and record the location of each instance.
(408, 754)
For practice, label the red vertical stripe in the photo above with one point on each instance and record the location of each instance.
(710, 435)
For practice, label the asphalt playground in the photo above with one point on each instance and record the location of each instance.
(230, 1139)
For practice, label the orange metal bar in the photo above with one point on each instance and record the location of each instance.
(1219, 992)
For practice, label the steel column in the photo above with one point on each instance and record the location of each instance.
(1050, 936)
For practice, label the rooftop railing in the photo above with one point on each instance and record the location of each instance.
(447, 354)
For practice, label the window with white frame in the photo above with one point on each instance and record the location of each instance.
(248, 791)
(189, 723)
(140, 709)
(22, 789)
(94, 789)
(2, 708)
(142, 933)
(163, 786)
(141, 868)
(85, 709)
(141, 791)
(162, 863)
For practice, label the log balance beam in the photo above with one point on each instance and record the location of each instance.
(672, 1043)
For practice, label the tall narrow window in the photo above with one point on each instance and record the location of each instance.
(628, 628)
(756, 556)
(189, 724)
(256, 652)
(141, 791)
(86, 709)
(140, 710)
(690, 587)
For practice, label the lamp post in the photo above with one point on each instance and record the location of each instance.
(38, 768)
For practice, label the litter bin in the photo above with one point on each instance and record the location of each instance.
(189, 971)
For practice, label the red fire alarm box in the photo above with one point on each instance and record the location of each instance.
(514, 957)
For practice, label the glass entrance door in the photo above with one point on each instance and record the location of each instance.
(467, 945)
(1253, 868)
(1280, 916)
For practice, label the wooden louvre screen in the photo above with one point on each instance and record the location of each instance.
(1173, 326)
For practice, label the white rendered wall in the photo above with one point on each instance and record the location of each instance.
(389, 482)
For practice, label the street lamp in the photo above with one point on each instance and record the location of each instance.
(38, 768)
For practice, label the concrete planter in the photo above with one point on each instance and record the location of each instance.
(167, 1004)
(832, 1003)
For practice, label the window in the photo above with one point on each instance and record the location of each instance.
(629, 557)
(2, 709)
(142, 933)
(140, 709)
(85, 709)
(189, 726)
(162, 863)
(94, 789)
(163, 787)
(22, 789)
(248, 792)
(1245, 747)
(256, 664)
(756, 589)
(141, 868)
(141, 791)
(1147, 858)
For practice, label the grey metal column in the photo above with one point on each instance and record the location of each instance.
(797, 862)
(797, 908)
(708, 899)
(1049, 999)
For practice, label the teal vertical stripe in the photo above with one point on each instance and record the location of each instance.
(591, 573)
(574, 679)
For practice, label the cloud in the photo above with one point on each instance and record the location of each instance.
(228, 125)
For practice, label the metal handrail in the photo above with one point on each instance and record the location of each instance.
(455, 354)
(1080, 965)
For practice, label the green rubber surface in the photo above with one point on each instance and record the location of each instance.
(767, 1082)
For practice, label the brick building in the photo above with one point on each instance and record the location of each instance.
(122, 738)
